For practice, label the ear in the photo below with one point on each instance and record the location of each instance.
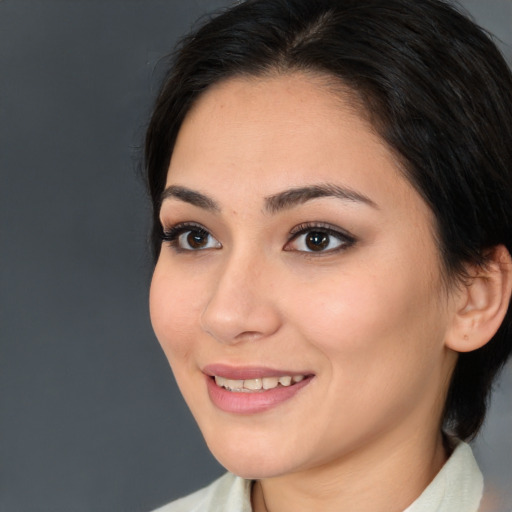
(481, 302)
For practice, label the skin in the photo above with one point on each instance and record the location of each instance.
(370, 320)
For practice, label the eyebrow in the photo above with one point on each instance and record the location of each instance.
(295, 196)
(190, 196)
(274, 203)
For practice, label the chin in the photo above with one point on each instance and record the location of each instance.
(253, 469)
(251, 456)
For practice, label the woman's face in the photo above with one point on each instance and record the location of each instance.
(298, 259)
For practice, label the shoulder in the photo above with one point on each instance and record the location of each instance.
(229, 493)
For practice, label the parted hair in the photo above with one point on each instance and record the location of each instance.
(435, 88)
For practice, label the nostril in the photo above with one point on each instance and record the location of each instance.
(249, 335)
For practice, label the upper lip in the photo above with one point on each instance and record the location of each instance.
(247, 372)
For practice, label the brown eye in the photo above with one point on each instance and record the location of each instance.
(197, 239)
(189, 237)
(316, 240)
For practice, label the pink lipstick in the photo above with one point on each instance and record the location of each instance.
(250, 390)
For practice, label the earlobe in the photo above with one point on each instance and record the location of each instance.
(482, 302)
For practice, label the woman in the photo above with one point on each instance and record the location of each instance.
(331, 184)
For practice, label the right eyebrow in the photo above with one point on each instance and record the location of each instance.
(190, 196)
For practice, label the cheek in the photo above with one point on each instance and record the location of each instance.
(175, 307)
(375, 334)
(371, 319)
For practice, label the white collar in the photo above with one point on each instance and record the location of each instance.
(458, 487)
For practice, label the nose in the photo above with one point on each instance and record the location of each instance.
(242, 303)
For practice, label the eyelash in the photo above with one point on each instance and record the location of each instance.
(171, 236)
(346, 240)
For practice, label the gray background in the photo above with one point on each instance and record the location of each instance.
(90, 417)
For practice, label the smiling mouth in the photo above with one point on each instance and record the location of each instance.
(258, 385)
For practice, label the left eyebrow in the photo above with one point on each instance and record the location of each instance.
(296, 196)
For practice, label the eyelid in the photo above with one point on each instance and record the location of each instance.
(344, 236)
(180, 227)
(172, 234)
(321, 226)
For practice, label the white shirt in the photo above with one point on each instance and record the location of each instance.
(458, 487)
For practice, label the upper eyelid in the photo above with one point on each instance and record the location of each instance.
(186, 225)
(320, 226)
(174, 232)
(345, 238)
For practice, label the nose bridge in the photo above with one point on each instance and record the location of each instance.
(241, 304)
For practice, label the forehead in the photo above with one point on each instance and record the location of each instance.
(261, 135)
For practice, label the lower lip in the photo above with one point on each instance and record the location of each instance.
(253, 402)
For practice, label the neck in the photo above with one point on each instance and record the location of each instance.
(359, 482)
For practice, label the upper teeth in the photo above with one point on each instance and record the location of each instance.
(257, 384)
